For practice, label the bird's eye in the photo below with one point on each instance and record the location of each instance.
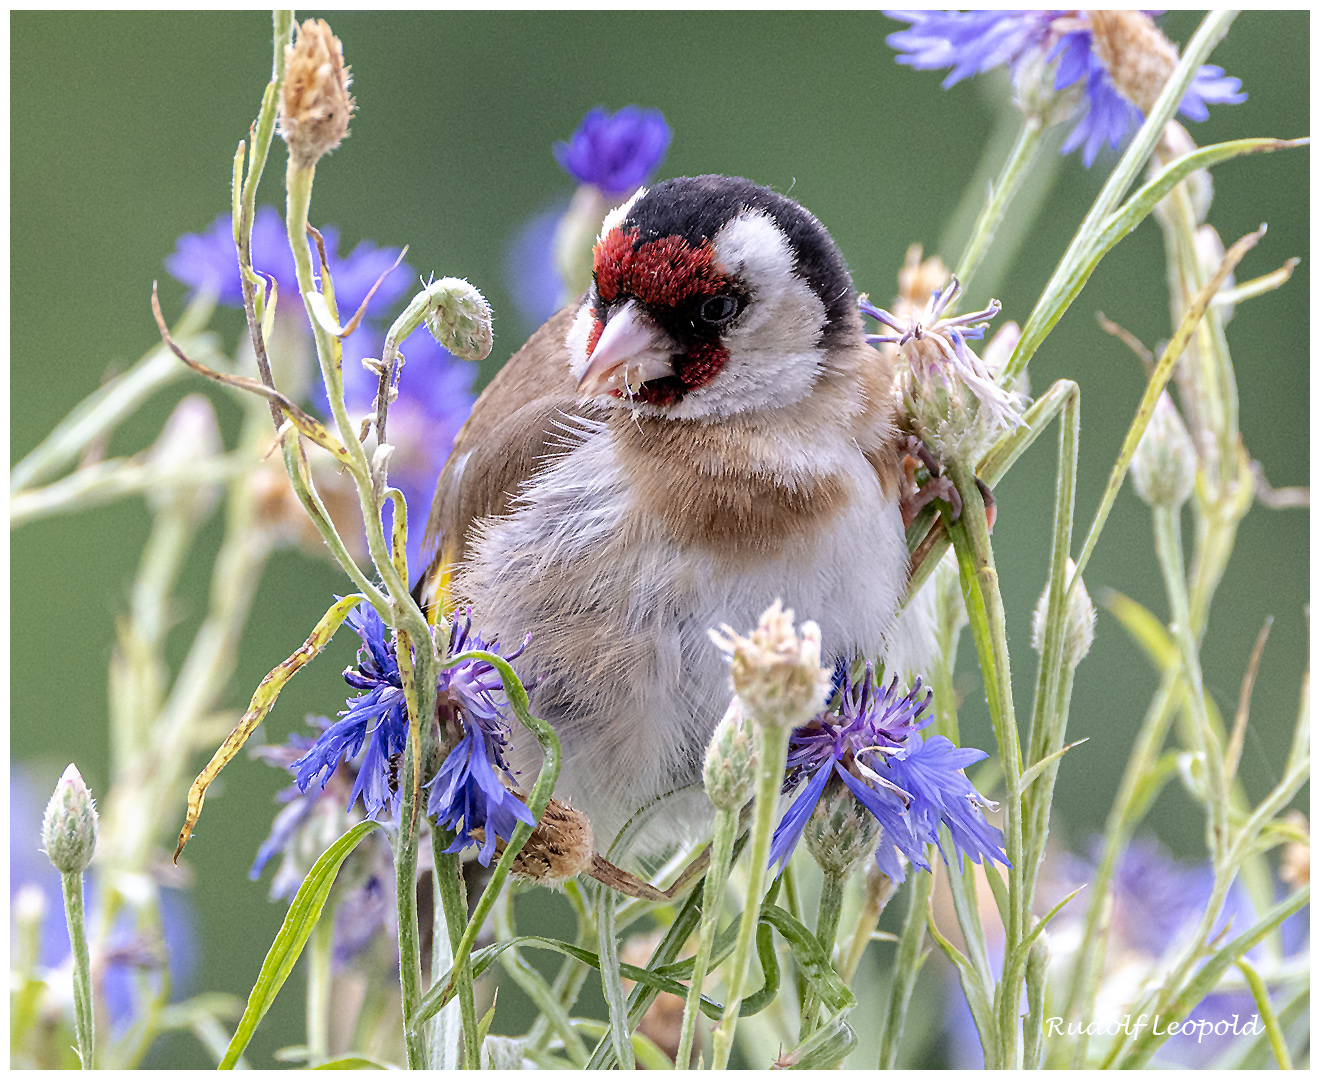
(718, 310)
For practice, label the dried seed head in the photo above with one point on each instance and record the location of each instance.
(1137, 56)
(840, 831)
(315, 104)
(731, 759)
(1078, 621)
(559, 848)
(68, 831)
(775, 671)
(459, 318)
(1164, 466)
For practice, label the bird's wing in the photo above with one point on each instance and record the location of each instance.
(513, 427)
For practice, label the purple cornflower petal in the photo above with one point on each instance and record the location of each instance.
(209, 261)
(380, 712)
(615, 152)
(972, 42)
(467, 792)
(872, 744)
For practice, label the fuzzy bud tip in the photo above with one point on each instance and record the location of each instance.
(459, 317)
(730, 770)
(315, 104)
(1078, 620)
(68, 831)
(775, 670)
(1164, 466)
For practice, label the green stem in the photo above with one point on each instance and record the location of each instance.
(906, 966)
(1054, 300)
(769, 780)
(1118, 827)
(1021, 157)
(410, 960)
(84, 1025)
(985, 611)
(1168, 549)
(827, 929)
(549, 1005)
(453, 899)
(319, 977)
(712, 901)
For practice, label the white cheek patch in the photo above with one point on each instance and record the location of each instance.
(576, 341)
(773, 355)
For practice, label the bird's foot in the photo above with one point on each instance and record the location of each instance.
(938, 486)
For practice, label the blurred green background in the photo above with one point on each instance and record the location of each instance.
(123, 128)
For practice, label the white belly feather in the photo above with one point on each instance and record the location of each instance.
(618, 615)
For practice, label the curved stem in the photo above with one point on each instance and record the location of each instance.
(1021, 157)
(712, 901)
(770, 778)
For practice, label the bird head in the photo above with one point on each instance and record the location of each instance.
(710, 296)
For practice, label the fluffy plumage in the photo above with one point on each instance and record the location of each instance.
(704, 431)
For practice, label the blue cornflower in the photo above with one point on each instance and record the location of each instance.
(872, 744)
(615, 152)
(467, 793)
(379, 712)
(1119, 59)
(435, 395)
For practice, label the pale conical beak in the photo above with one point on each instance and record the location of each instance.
(631, 350)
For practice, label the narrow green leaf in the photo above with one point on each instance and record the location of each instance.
(351, 1063)
(611, 986)
(1044, 763)
(1145, 628)
(293, 934)
(811, 959)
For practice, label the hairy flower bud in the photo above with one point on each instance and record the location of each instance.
(68, 831)
(190, 435)
(1078, 621)
(1137, 56)
(459, 318)
(840, 831)
(730, 770)
(775, 671)
(1164, 466)
(1295, 869)
(315, 104)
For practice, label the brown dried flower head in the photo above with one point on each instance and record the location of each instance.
(559, 848)
(1137, 56)
(314, 101)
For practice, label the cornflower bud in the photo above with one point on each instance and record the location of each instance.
(1164, 466)
(459, 317)
(68, 831)
(190, 435)
(840, 832)
(775, 671)
(315, 104)
(1078, 621)
(730, 770)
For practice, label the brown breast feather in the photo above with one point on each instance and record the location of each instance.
(514, 425)
(701, 480)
